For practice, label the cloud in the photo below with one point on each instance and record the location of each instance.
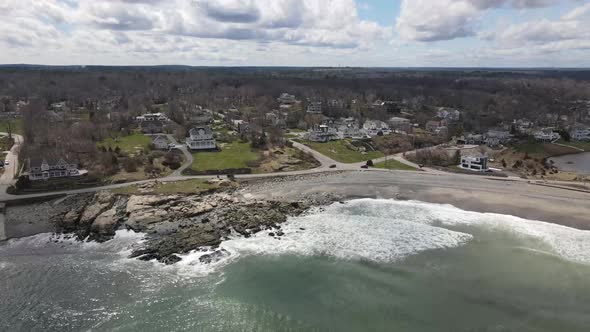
(426, 20)
(236, 11)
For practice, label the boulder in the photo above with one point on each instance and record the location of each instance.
(105, 224)
(140, 202)
(104, 197)
(92, 211)
(141, 219)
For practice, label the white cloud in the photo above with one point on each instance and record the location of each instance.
(426, 20)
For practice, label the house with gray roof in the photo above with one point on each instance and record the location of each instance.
(49, 168)
(201, 138)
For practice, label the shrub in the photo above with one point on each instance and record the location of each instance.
(370, 163)
(130, 165)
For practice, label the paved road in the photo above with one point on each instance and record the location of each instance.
(11, 170)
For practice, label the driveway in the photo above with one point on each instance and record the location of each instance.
(187, 156)
(11, 170)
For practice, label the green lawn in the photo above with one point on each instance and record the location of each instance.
(340, 151)
(394, 165)
(580, 145)
(233, 155)
(543, 149)
(130, 144)
(17, 125)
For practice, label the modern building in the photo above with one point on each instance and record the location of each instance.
(48, 168)
(479, 164)
(201, 138)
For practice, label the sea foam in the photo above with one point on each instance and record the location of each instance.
(388, 230)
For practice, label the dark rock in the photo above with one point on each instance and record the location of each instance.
(213, 257)
(169, 260)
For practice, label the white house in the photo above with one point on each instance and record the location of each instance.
(322, 134)
(47, 168)
(546, 135)
(152, 117)
(286, 99)
(471, 163)
(374, 127)
(580, 134)
(448, 113)
(201, 138)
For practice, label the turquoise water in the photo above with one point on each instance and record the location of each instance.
(366, 265)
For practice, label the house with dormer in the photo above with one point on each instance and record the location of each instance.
(201, 138)
(49, 168)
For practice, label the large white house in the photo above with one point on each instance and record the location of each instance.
(47, 168)
(479, 164)
(201, 138)
(580, 134)
(152, 117)
(374, 127)
(546, 135)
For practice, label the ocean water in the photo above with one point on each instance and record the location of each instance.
(366, 265)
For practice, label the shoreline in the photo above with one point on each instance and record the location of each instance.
(177, 224)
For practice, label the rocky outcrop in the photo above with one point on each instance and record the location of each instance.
(95, 217)
(174, 224)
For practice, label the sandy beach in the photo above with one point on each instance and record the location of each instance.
(473, 193)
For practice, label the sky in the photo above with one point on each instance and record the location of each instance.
(359, 33)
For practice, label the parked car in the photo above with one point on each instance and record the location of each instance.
(333, 166)
(364, 166)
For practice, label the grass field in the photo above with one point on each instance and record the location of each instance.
(340, 151)
(543, 149)
(130, 144)
(17, 125)
(580, 145)
(233, 155)
(394, 165)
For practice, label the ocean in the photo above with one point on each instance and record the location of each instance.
(365, 265)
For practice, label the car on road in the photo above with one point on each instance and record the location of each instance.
(364, 166)
(6, 163)
(333, 166)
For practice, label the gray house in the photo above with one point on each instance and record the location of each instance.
(48, 168)
(152, 127)
(160, 142)
(201, 138)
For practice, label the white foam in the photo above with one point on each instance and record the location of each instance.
(570, 243)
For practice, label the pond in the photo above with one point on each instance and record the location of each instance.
(578, 163)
